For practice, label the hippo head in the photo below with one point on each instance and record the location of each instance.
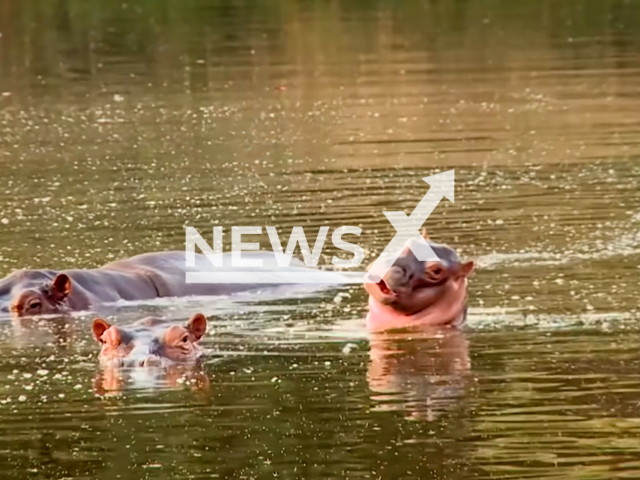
(150, 342)
(416, 292)
(35, 292)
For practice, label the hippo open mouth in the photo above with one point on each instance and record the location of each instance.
(384, 288)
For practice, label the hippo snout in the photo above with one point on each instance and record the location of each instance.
(397, 278)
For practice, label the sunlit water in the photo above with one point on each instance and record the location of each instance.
(120, 123)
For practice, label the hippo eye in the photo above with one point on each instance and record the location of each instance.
(185, 339)
(35, 304)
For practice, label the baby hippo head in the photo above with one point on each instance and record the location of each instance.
(150, 342)
(431, 292)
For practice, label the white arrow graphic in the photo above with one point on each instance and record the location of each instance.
(407, 227)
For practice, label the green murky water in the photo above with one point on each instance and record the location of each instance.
(122, 122)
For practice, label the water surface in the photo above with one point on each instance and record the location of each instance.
(120, 123)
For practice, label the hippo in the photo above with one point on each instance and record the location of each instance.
(142, 277)
(415, 293)
(150, 342)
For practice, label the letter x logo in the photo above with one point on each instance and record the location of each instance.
(408, 227)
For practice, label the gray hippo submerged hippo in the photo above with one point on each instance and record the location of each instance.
(415, 293)
(150, 342)
(143, 277)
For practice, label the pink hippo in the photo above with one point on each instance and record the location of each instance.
(414, 293)
(150, 342)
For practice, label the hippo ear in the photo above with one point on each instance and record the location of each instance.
(99, 327)
(61, 286)
(466, 269)
(424, 234)
(197, 325)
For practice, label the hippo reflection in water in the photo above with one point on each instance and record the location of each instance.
(423, 373)
(150, 342)
(415, 293)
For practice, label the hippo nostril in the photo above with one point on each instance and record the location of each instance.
(396, 273)
(396, 277)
